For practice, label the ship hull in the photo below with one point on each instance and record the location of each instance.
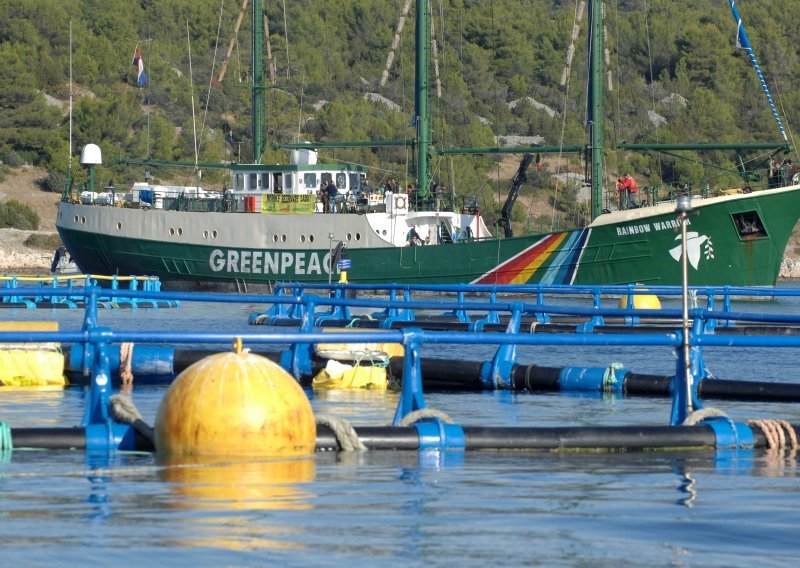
(733, 240)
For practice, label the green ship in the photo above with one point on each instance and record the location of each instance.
(272, 225)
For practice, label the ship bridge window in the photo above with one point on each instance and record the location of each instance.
(252, 181)
(288, 182)
(277, 182)
(238, 182)
(341, 181)
(263, 183)
(353, 181)
(749, 226)
(326, 177)
(310, 181)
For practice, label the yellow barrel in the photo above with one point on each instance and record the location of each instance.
(31, 364)
(641, 302)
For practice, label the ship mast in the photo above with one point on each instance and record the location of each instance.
(596, 49)
(257, 79)
(422, 118)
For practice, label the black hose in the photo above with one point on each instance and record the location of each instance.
(617, 438)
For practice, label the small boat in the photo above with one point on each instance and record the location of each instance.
(271, 224)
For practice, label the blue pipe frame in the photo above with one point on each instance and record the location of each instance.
(103, 434)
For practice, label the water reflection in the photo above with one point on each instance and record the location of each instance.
(226, 494)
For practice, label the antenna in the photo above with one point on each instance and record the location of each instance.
(69, 170)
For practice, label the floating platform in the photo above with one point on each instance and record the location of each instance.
(99, 355)
(65, 291)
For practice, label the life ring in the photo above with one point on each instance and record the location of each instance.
(400, 202)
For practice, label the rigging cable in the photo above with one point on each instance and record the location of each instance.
(211, 76)
(654, 119)
(744, 43)
(576, 20)
(286, 33)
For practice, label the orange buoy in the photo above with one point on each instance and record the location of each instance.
(235, 404)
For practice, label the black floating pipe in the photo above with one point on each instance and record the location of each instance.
(617, 438)
(448, 375)
(49, 438)
(184, 358)
(64, 439)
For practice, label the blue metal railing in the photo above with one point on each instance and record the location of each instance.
(96, 340)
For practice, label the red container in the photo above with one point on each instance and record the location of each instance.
(251, 204)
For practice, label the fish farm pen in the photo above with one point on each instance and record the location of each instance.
(303, 317)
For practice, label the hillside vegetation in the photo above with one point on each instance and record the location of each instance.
(676, 76)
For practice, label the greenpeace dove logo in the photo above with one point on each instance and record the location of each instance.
(694, 242)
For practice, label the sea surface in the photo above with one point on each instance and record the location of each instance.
(392, 508)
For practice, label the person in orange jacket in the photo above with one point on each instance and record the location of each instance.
(627, 192)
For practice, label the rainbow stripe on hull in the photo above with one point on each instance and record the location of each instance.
(551, 260)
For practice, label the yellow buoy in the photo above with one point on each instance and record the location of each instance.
(235, 404)
(641, 302)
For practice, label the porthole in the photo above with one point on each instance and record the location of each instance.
(384, 232)
(274, 238)
(214, 234)
(311, 238)
(349, 236)
(302, 238)
(83, 220)
(119, 226)
(76, 218)
(358, 236)
(171, 231)
(283, 238)
(180, 231)
(205, 234)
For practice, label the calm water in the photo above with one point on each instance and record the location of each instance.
(397, 508)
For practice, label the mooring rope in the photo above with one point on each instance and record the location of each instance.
(780, 434)
(125, 371)
(423, 413)
(124, 411)
(701, 414)
(344, 432)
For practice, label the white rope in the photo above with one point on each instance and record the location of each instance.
(124, 411)
(417, 415)
(701, 414)
(780, 434)
(344, 432)
(125, 370)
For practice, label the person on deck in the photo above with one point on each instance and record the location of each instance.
(626, 192)
(412, 238)
(332, 194)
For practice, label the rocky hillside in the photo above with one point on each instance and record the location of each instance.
(22, 184)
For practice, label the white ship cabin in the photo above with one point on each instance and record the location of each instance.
(302, 176)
